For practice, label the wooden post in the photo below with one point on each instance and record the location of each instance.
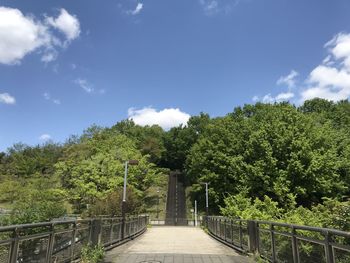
(329, 251)
(96, 232)
(14, 246)
(252, 236)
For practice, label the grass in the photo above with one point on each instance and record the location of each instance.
(151, 201)
(6, 205)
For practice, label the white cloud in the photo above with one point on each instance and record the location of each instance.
(268, 98)
(48, 97)
(339, 47)
(84, 84)
(56, 101)
(328, 61)
(255, 98)
(331, 79)
(284, 96)
(137, 9)
(49, 56)
(288, 80)
(88, 87)
(66, 23)
(213, 7)
(7, 98)
(19, 35)
(23, 34)
(45, 137)
(165, 118)
(210, 7)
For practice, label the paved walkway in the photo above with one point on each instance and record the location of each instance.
(175, 245)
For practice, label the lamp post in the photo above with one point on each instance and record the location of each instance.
(129, 162)
(206, 200)
(158, 205)
(195, 212)
(206, 203)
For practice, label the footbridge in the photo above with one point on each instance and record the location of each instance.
(133, 239)
(169, 244)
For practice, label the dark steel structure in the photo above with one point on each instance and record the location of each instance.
(62, 241)
(176, 201)
(279, 242)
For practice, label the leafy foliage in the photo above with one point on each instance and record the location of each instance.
(44, 182)
(263, 161)
(90, 254)
(110, 204)
(149, 139)
(330, 214)
(274, 150)
(40, 200)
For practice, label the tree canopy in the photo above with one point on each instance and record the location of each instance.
(272, 161)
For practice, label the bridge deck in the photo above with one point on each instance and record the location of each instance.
(175, 245)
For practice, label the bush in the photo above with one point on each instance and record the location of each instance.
(90, 254)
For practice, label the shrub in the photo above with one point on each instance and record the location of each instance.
(92, 254)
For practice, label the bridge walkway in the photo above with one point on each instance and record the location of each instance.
(169, 244)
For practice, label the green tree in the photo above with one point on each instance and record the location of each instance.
(149, 139)
(94, 168)
(40, 200)
(179, 140)
(272, 150)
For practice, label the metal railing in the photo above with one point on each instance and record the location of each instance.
(174, 222)
(279, 242)
(62, 241)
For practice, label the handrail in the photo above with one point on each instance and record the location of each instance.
(282, 242)
(62, 241)
(301, 227)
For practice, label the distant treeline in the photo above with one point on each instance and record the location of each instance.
(275, 161)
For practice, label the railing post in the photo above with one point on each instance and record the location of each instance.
(273, 243)
(96, 231)
(252, 233)
(119, 230)
(231, 225)
(130, 227)
(51, 243)
(74, 233)
(90, 230)
(295, 246)
(328, 248)
(222, 228)
(111, 232)
(225, 229)
(123, 219)
(240, 234)
(14, 246)
(133, 226)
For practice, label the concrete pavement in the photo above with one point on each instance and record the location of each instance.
(166, 244)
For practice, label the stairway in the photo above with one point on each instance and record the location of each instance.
(176, 201)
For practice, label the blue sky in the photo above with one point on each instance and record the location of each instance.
(65, 65)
